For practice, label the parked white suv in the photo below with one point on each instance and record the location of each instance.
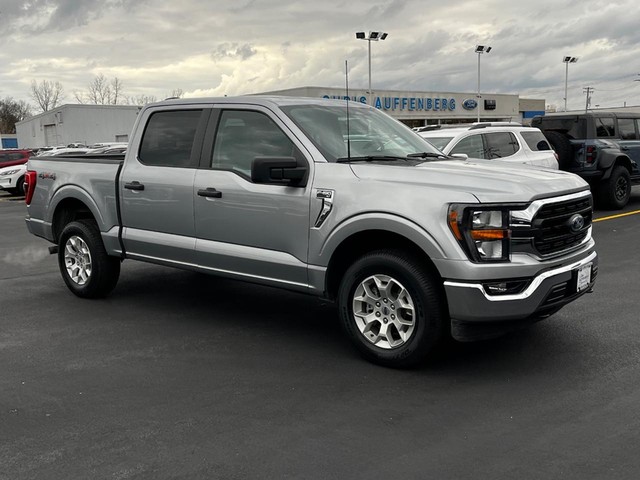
(12, 179)
(513, 143)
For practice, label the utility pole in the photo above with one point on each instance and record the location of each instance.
(588, 91)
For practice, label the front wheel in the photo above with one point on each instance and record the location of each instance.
(84, 264)
(391, 308)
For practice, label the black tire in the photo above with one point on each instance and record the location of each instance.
(80, 249)
(428, 317)
(563, 148)
(614, 192)
(19, 190)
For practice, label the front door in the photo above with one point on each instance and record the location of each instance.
(246, 230)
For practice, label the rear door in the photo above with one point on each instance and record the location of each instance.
(156, 185)
(628, 132)
(247, 230)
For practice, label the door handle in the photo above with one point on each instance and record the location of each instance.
(134, 186)
(209, 193)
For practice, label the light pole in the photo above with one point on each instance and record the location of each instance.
(480, 49)
(567, 60)
(372, 37)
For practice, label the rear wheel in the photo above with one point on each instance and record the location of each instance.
(615, 192)
(391, 308)
(84, 264)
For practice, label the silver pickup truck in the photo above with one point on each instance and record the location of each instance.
(330, 198)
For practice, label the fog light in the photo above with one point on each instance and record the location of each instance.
(505, 288)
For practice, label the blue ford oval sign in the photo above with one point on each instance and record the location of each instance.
(469, 104)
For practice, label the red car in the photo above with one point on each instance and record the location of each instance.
(12, 157)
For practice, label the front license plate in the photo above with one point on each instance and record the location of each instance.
(584, 277)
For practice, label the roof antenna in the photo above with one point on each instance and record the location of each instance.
(346, 80)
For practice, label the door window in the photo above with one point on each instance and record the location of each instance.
(169, 137)
(472, 146)
(500, 144)
(244, 135)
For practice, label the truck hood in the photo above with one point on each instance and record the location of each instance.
(488, 180)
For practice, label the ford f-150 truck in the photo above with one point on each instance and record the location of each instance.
(327, 197)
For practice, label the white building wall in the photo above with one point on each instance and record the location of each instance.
(86, 124)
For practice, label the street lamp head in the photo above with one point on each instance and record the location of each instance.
(373, 36)
(482, 49)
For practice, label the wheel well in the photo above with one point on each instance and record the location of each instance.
(69, 210)
(366, 241)
(623, 161)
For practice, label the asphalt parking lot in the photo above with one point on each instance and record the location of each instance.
(178, 375)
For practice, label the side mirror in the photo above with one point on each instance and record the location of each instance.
(463, 156)
(278, 170)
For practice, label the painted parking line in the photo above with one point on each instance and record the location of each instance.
(620, 215)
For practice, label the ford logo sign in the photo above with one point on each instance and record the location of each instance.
(576, 223)
(469, 104)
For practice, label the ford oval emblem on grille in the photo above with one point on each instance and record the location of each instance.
(576, 223)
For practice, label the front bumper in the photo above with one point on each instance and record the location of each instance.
(469, 302)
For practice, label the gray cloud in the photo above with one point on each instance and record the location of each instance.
(233, 50)
(248, 46)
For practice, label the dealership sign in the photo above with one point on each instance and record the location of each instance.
(469, 104)
(411, 104)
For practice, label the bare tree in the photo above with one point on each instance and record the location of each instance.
(116, 91)
(141, 99)
(177, 93)
(47, 94)
(99, 91)
(102, 91)
(11, 112)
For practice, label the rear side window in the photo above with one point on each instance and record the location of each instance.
(169, 137)
(627, 128)
(16, 156)
(536, 141)
(604, 127)
(501, 144)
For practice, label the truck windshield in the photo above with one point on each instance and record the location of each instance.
(370, 132)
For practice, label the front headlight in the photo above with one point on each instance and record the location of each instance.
(9, 172)
(482, 231)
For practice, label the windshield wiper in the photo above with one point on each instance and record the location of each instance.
(427, 155)
(370, 158)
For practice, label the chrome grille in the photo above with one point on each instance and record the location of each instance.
(552, 226)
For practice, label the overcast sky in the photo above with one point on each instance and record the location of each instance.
(216, 47)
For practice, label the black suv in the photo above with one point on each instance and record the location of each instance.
(603, 148)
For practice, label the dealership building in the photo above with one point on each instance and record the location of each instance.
(89, 124)
(423, 108)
